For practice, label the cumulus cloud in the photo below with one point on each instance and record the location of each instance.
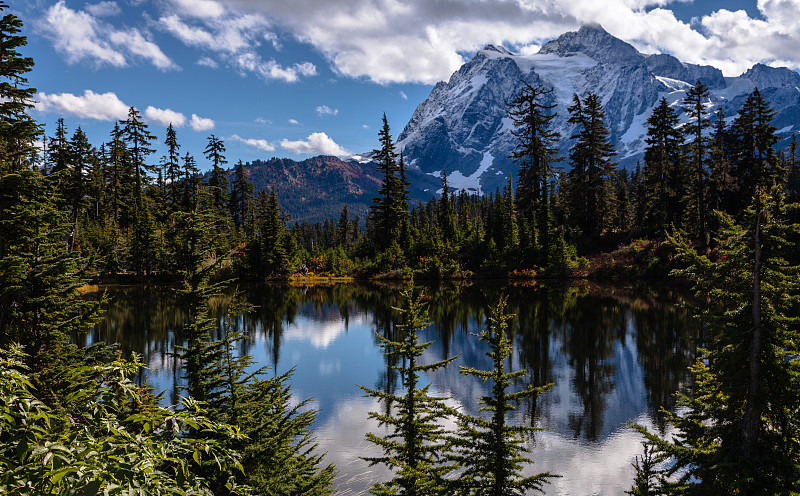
(103, 9)
(199, 8)
(90, 105)
(323, 110)
(422, 41)
(136, 44)
(80, 36)
(293, 122)
(314, 144)
(259, 144)
(201, 123)
(164, 117)
(236, 38)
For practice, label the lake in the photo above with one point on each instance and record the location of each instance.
(614, 355)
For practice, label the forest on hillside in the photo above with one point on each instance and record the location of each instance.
(715, 203)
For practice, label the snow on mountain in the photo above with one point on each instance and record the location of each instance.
(462, 127)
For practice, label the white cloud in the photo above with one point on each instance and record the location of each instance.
(103, 9)
(236, 38)
(315, 144)
(422, 41)
(207, 62)
(201, 123)
(80, 36)
(403, 95)
(259, 144)
(136, 44)
(323, 110)
(261, 120)
(364, 126)
(293, 121)
(199, 8)
(76, 35)
(103, 107)
(164, 117)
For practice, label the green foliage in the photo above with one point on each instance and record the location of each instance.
(414, 447)
(738, 434)
(491, 451)
(103, 446)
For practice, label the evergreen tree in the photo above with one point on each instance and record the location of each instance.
(536, 155)
(218, 180)
(490, 450)
(173, 168)
(755, 160)
(58, 155)
(793, 184)
(739, 433)
(663, 177)
(17, 129)
(267, 249)
(191, 183)
(589, 182)
(446, 216)
(241, 199)
(138, 139)
(389, 211)
(695, 105)
(721, 184)
(414, 446)
(82, 154)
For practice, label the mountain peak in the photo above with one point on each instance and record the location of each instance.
(596, 42)
(764, 76)
(498, 49)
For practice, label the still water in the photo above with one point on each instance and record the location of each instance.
(613, 355)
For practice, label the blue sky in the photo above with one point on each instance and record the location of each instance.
(304, 77)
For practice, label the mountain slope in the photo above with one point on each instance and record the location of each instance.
(462, 126)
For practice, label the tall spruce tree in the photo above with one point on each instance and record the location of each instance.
(536, 155)
(389, 211)
(695, 104)
(218, 180)
(755, 160)
(738, 434)
(414, 446)
(240, 203)
(491, 451)
(173, 168)
(663, 177)
(138, 138)
(589, 182)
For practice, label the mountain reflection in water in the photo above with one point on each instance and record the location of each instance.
(614, 355)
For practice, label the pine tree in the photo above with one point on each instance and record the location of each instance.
(589, 182)
(663, 177)
(721, 185)
(138, 139)
(191, 183)
(414, 446)
(755, 160)
(793, 184)
(241, 199)
(536, 155)
(17, 129)
(267, 248)
(389, 211)
(218, 180)
(173, 168)
(491, 451)
(695, 105)
(82, 154)
(738, 434)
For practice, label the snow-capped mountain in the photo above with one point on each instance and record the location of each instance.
(462, 127)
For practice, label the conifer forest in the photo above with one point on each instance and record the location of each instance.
(712, 207)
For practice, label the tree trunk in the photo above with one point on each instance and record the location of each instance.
(751, 424)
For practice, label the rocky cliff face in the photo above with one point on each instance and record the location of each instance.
(462, 127)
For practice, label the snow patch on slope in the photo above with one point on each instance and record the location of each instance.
(471, 183)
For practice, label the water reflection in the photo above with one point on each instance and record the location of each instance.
(613, 355)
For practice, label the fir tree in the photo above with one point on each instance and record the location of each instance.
(241, 199)
(755, 160)
(490, 450)
(191, 183)
(17, 129)
(389, 211)
(738, 434)
(536, 155)
(138, 138)
(218, 180)
(414, 446)
(663, 177)
(173, 168)
(589, 182)
(695, 105)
